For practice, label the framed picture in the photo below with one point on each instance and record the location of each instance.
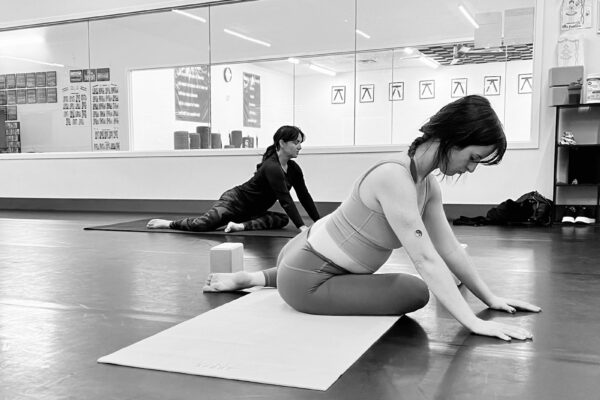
(338, 94)
(427, 89)
(458, 87)
(491, 85)
(396, 91)
(367, 93)
(525, 82)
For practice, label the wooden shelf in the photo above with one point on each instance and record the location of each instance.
(580, 146)
(576, 105)
(577, 184)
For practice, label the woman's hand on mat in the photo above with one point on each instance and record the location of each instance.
(502, 331)
(511, 306)
(158, 224)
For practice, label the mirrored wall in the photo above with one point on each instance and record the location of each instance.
(347, 72)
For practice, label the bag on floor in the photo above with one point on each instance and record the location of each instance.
(530, 209)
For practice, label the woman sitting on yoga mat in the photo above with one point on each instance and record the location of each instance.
(328, 269)
(244, 207)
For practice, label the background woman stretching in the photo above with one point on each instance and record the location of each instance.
(245, 207)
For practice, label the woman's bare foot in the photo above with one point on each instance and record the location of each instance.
(158, 224)
(225, 282)
(234, 227)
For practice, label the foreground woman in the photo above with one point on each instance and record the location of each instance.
(328, 269)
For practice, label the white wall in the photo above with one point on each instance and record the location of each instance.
(328, 175)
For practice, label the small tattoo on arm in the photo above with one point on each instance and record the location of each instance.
(418, 233)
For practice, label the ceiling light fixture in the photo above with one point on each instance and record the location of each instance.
(409, 50)
(293, 60)
(18, 39)
(468, 16)
(430, 62)
(189, 15)
(32, 61)
(322, 70)
(248, 38)
(361, 33)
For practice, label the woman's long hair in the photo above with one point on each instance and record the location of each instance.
(287, 133)
(468, 121)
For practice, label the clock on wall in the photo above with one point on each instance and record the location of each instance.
(227, 74)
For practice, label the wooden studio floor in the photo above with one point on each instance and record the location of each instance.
(69, 296)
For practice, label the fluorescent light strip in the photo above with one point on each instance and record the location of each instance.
(189, 15)
(322, 70)
(430, 62)
(293, 60)
(361, 33)
(468, 16)
(248, 38)
(32, 61)
(14, 40)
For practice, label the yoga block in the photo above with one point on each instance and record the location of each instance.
(227, 257)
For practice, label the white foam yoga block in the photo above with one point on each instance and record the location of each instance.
(227, 257)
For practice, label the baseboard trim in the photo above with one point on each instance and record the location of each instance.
(453, 211)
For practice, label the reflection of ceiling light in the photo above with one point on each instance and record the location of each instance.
(322, 70)
(293, 60)
(248, 38)
(361, 33)
(468, 16)
(20, 39)
(430, 62)
(187, 14)
(32, 61)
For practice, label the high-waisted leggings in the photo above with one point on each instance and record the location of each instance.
(310, 283)
(228, 208)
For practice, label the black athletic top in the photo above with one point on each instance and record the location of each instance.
(270, 183)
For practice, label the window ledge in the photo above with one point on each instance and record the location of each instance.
(226, 152)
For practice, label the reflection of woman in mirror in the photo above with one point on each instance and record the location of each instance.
(245, 207)
(329, 268)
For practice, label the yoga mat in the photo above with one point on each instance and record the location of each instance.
(259, 338)
(139, 225)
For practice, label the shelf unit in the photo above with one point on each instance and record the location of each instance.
(580, 161)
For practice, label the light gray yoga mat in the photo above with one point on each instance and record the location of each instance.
(259, 338)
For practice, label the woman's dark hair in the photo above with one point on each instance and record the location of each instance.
(287, 133)
(468, 121)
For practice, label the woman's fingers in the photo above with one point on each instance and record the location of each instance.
(503, 331)
(516, 332)
(523, 305)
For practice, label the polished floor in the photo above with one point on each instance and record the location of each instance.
(69, 296)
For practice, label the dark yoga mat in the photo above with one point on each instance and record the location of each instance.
(139, 225)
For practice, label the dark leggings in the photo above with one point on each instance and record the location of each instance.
(230, 208)
(312, 284)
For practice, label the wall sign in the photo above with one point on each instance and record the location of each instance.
(367, 93)
(458, 87)
(396, 91)
(251, 100)
(192, 94)
(427, 89)
(491, 85)
(338, 94)
(525, 83)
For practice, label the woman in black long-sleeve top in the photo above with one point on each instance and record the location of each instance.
(245, 207)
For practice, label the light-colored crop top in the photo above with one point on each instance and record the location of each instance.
(356, 237)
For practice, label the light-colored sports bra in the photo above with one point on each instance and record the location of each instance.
(356, 237)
